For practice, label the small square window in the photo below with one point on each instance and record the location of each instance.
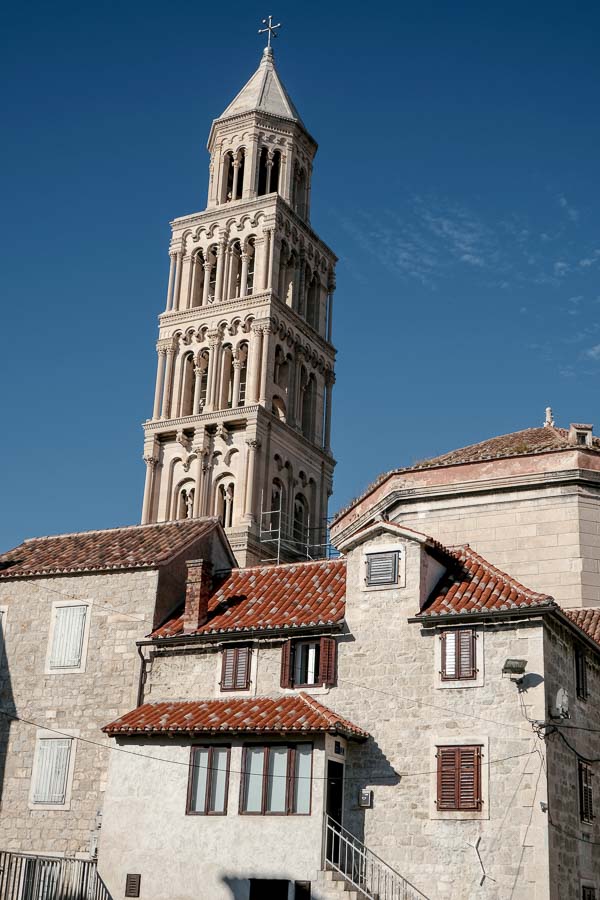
(458, 655)
(459, 778)
(382, 568)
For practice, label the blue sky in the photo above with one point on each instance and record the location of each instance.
(457, 180)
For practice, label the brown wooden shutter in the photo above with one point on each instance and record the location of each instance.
(228, 669)
(586, 798)
(469, 778)
(286, 665)
(466, 653)
(242, 669)
(327, 661)
(446, 777)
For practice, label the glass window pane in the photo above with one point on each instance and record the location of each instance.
(199, 776)
(450, 670)
(216, 802)
(302, 778)
(277, 780)
(312, 668)
(253, 779)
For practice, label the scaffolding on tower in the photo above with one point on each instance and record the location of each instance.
(283, 543)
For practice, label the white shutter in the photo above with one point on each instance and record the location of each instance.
(449, 670)
(67, 642)
(382, 568)
(52, 770)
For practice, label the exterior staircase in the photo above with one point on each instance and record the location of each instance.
(353, 872)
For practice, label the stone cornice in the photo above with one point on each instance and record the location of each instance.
(267, 204)
(240, 414)
(241, 304)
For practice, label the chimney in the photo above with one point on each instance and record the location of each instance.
(580, 435)
(197, 592)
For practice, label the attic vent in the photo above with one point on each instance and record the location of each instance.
(382, 568)
(132, 885)
(580, 435)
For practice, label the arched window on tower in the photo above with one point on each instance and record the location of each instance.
(185, 501)
(301, 522)
(198, 278)
(262, 171)
(277, 507)
(227, 178)
(200, 401)
(224, 502)
(243, 364)
(212, 275)
(251, 251)
(235, 270)
(273, 185)
(309, 397)
(239, 180)
(301, 193)
(312, 301)
(225, 396)
(187, 385)
(280, 369)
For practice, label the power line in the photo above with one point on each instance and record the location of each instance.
(111, 748)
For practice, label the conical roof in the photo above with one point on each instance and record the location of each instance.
(264, 92)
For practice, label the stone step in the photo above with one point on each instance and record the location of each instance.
(333, 885)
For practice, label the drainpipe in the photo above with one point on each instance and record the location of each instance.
(143, 676)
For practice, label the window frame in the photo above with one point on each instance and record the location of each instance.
(326, 670)
(49, 735)
(477, 804)
(581, 680)
(585, 774)
(382, 584)
(588, 892)
(458, 675)
(236, 650)
(49, 669)
(289, 781)
(306, 643)
(209, 778)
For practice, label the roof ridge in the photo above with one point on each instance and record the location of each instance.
(299, 562)
(64, 534)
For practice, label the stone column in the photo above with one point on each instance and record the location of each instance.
(151, 463)
(165, 410)
(330, 312)
(253, 444)
(222, 246)
(177, 290)
(236, 171)
(198, 372)
(254, 357)
(194, 268)
(266, 275)
(160, 374)
(259, 263)
(205, 286)
(329, 382)
(271, 258)
(250, 168)
(244, 275)
(269, 171)
(171, 280)
(237, 368)
(264, 369)
(199, 479)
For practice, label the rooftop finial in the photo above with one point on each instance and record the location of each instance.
(270, 30)
(549, 423)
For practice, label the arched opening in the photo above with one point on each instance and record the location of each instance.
(275, 172)
(235, 270)
(197, 278)
(262, 171)
(290, 280)
(300, 528)
(301, 192)
(281, 369)
(227, 178)
(277, 507)
(312, 301)
(187, 385)
(226, 395)
(279, 408)
(238, 186)
(202, 383)
(224, 497)
(185, 501)
(309, 394)
(242, 354)
(251, 251)
(212, 274)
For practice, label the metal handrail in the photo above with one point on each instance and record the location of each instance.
(363, 869)
(25, 876)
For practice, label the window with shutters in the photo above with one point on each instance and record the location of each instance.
(382, 568)
(581, 672)
(459, 778)
(208, 782)
(458, 657)
(235, 669)
(276, 780)
(586, 794)
(68, 638)
(308, 663)
(51, 771)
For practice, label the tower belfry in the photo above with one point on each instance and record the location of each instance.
(242, 409)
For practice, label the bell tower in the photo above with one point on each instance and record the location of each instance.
(242, 407)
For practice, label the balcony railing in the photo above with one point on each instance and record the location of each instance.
(28, 877)
(363, 869)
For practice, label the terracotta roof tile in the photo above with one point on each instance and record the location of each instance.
(262, 597)
(299, 713)
(586, 619)
(135, 547)
(476, 586)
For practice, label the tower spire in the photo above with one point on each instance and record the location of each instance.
(270, 30)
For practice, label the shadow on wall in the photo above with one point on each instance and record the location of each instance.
(7, 705)
(275, 888)
(367, 767)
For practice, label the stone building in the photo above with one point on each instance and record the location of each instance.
(72, 607)
(407, 719)
(242, 412)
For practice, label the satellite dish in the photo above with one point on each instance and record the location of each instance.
(561, 704)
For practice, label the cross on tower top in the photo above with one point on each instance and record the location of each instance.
(270, 30)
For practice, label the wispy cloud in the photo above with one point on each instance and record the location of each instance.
(593, 352)
(570, 211)
(590, 260)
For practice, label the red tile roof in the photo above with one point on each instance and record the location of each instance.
(586, 619)
(135, 547)
(262, 597)
(476, 586)
(298, 713)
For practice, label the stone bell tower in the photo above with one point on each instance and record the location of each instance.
(242, 407)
